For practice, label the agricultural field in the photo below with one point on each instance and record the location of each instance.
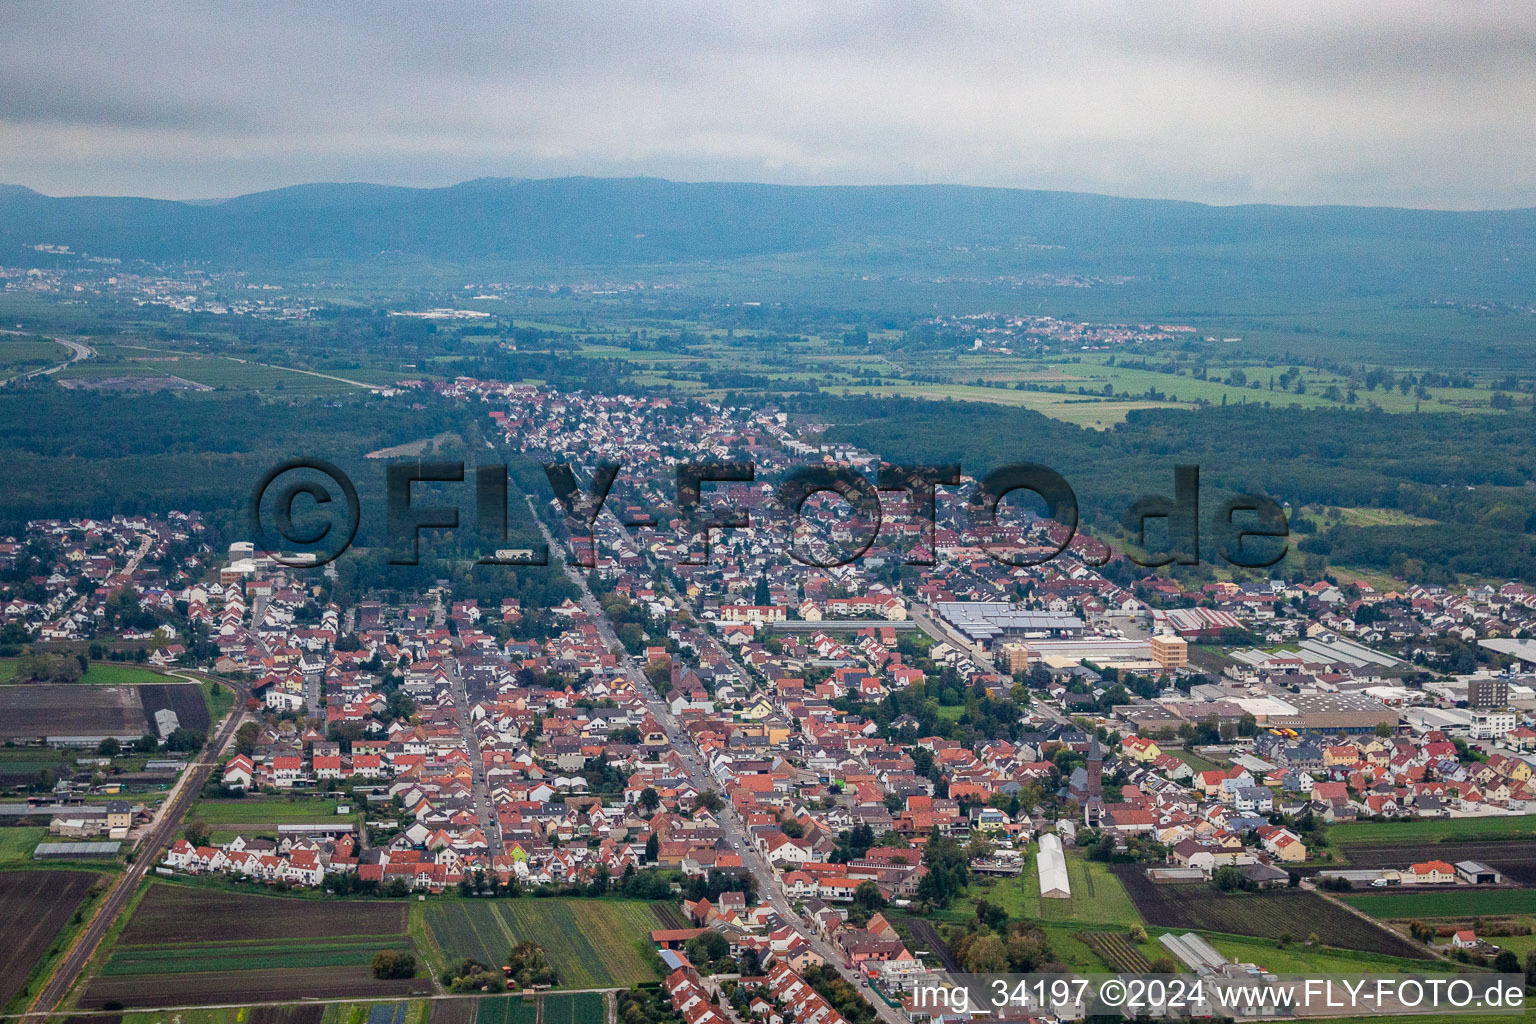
(1195, 761)
(19, 355)
(1074, 947)
(112, 673)
(172, 958)
(576, 1008)
(244, 986)
(188, 700)
(1455, 902)
(1270, 914)
(415, 1011)
(503, 1010)
(1372, 517)
(31, 711)
(100, 673)
(187, 945)
(388, 1013)
(458, 1011)
(1117, 951)
(1434, 830)
(38, 904)
(1098, 413)
(590, 943)
(122, 365)
(18, 765)
(188, 914)
(302, 1013)
(211, 1015)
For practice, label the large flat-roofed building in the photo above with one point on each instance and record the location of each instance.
(1340, 712)
(1319, 712)
(1150, 719)
(1103, 651)
(1451, 721)
(1521, 650)
(989, 622)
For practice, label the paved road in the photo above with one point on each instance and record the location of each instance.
(198, 1008)
(768, 886)
(481, 789)
(149, 851)
(77, 351)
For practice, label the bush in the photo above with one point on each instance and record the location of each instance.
(393, 963)
(529, 966)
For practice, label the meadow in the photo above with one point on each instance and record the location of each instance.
(264, 810)
(18, 841)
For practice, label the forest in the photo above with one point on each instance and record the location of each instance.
(1469, 474)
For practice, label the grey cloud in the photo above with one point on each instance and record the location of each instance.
(1410, 102)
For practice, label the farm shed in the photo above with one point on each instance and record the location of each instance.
(75, 851)
(1196, 954)
(1052, 865)
(1478, 873)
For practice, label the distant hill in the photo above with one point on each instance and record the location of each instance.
(596, 221)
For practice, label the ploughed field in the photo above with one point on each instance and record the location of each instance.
(37, 905)
(590, 943)
(1270, 914)
(187, 944)
(31, 711)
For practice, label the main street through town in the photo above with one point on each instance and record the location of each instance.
(480, 787)
(768, 885)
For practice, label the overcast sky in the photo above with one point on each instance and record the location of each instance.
(1429, 104)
